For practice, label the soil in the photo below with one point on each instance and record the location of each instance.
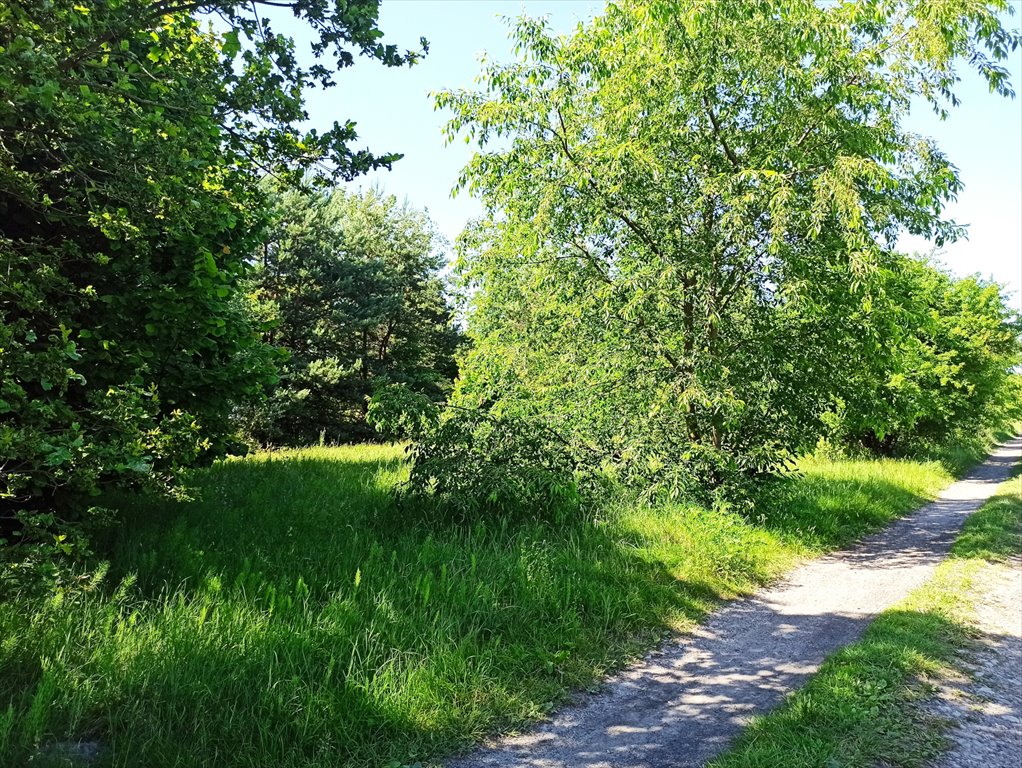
(986, 705)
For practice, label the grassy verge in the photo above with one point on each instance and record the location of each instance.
(862, 708)
(293, 616)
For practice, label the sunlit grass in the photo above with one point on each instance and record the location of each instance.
(835, 501)
(292, 615)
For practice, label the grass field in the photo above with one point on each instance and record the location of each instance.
(292, 615)
(861, 710)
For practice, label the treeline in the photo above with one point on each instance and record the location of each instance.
(940, 362)
(160, 303)
(684, 276)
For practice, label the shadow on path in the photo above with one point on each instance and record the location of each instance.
(685, 702)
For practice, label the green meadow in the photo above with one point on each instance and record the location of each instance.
(293, 614)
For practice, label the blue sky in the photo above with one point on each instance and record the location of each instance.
(394, 112)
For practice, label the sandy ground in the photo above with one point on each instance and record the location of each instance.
(685, 702)
(987, 706)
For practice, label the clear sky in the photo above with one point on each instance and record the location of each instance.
(394, 112)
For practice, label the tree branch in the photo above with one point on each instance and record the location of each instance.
(718, 135)
(611, 208)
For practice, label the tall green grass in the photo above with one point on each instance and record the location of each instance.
(292, 615)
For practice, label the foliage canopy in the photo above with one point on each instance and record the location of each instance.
(685, 205)
(132, 140)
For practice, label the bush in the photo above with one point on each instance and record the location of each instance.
(469, 463)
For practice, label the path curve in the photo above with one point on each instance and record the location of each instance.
(685, 702)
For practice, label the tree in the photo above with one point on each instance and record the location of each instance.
(940, 356)
(351, 285)
(132, 141)
(682, 200)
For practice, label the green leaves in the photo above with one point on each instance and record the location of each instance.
(676, 242)
(231, 44)
(352, 285)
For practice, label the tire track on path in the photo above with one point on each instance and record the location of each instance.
(686, 701)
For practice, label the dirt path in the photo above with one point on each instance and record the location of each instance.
(686, 701)
(988, 707)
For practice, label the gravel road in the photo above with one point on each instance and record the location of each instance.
(686, 701)
(988, 707)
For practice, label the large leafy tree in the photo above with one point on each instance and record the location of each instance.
(684, 199)
(351, 285)
(132, 140)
